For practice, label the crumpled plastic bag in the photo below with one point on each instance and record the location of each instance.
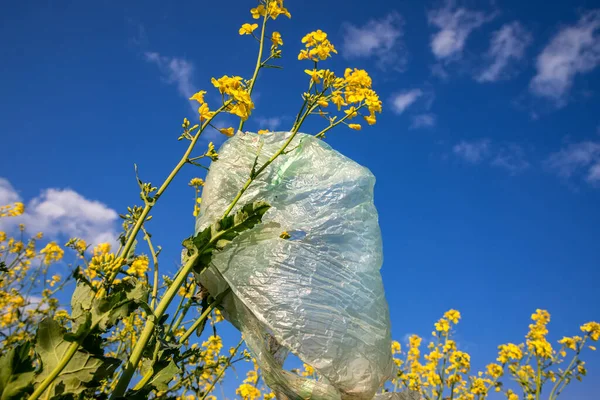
(318, 294)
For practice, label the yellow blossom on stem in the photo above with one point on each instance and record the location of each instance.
(52, 252)
(226, 131)
(139, 266)
(276, 39)
(199, 97)
(356, 127)
(247, 29)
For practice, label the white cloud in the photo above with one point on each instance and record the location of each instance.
(510, 157)
(403, 100)
(426, 120)
(377, 38)
(455, 24)
(472, 152)
(176, 71)
(271, 123)
(577, 158)
(8, 194)
(62, 213)
(573, 50)
(507, 46)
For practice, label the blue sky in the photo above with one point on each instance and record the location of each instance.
(487, 154)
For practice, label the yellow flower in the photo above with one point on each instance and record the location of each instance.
(509, 352)
(199, 97)
(61, 314)
(284, 235)
(570, 342)
(453, 316)
(276, 39)
(356, 127)
(13, 210)
(370, 119)
(308, 370)
(351, 112)
(275, 8)
(227, 131)
(139, 266)
(102, 248)
(442, 325)
(495, 370)
(258, 12)
(55, 279)
(248, 392)
(263, 131)
(247, 29)
(52, 252)
(396, 348)
(318, 47)
(593, 329)
(2, 236)
(322, 102)
(196, 182)
(315, 75)
(80, 245)
(204, 112)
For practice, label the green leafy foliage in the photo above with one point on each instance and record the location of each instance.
(102, 313)
(85, 369)
(16, 372)
(222, 232)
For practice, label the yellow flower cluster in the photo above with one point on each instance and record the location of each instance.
(248, 29)
(139, 266)
(13, 210)
(318, 47)
(52, 253)
(239, 101)
(536, 338)
(248, 392)
(273, 9)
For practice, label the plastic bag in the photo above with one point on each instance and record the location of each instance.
(318, 294)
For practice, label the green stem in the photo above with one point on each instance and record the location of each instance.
(538, 380)
(136, 354)
(294, 131)
(258, 62)
(203, 316)
(564, 376)
(155, 272)
(71, 350)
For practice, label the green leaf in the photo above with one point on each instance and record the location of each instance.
(88, 311)
(81, 304)
(124, 299)
(163, 374)
(222, 232)
(16, 373)
(84, 370)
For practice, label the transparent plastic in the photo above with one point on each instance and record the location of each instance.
(317, 294)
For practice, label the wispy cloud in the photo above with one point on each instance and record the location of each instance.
(574, 50)
(472, 152)
(581, 158)
(62, 213)
(510, 157)
(403, 100)
(177, 71)
(455, 24)
(381, 39)
(507, 46)
(426, 120)
(271, 123)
